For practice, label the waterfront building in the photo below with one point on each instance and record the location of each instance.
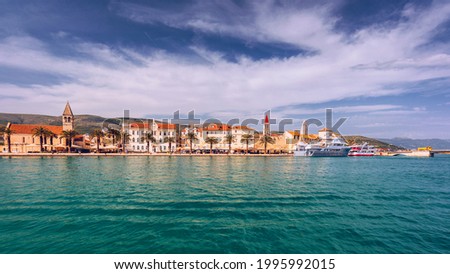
(24, 140)
(160, 131)
(219, 131)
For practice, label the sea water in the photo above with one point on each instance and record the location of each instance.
(224, 205)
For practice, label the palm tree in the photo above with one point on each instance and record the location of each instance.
(246, 138)
(69, 135)
(7, 132)
(229, 139)
(149, 138)
(266, 139)
(40, 132)
(191, 136)
(125, 137)
(211, 141)
(51, 135)
(114, 134)
(98, 134)
(170, 140)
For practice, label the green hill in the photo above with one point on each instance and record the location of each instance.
(355, 139)
(83, 123)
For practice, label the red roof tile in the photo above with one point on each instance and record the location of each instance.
(139, 125)
(214, 127)
(28, 129)
(242, 127)
(166, 126)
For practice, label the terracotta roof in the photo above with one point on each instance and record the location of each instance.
(325, 129)
(140, 125)
(214, 127)
(166, 126)
(242, 127)
(28, 129)
(68, 110)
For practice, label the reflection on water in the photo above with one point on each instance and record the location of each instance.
(224, 205)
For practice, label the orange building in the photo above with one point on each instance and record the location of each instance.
(23, 139)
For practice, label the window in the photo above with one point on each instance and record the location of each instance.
(133, 141)
(23, 139)
(134, 147)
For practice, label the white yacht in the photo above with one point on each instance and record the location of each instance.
(337, 148)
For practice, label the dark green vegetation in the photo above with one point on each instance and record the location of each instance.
(355, 139)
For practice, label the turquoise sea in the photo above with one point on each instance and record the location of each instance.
(224, 205)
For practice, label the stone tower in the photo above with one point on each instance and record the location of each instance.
(267, 125)
(67, 118)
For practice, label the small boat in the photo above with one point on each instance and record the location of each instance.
(337, 148)
(362, 150)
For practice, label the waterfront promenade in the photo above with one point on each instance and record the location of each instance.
(136, 155)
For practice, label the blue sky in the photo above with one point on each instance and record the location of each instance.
(383, 64)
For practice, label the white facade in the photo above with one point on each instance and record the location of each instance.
(137, 142)
(219, 132)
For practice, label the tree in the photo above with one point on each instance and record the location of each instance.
(149, 138)
(69, 135)
(40, 132)
(211, 141)
(191, 136)
(98, 134)
(266, 139)
(51, 135)
(246, 138)
(170, 140)
(114, 134)
(125, 137)
(229, 139)
(7, 132)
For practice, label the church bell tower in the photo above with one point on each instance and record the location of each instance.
(67, 118)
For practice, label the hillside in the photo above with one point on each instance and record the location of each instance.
(83, 123)
(415, 143)
(355, 139)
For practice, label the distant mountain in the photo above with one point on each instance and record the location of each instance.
(415, 143)
(355, 139)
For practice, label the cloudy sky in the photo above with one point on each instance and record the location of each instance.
(383, 64)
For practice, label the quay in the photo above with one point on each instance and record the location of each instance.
(36, 155)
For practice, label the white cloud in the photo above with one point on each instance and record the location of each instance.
(107, 80)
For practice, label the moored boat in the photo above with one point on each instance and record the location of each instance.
(337, 148)
(362, 150)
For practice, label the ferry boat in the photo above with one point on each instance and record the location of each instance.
(337, 148)
(362, 150)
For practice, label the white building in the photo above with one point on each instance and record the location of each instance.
(220, 132)
(161, 132)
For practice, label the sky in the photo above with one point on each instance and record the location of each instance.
(383, 64)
